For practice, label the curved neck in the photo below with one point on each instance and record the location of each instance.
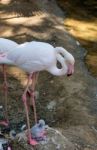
(62, 51)
(55, 70)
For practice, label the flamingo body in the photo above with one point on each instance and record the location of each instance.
(38, 56)
(34, 56)
(6, 45)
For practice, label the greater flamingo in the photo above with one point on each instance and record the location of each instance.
(35, 56)
(6, 45)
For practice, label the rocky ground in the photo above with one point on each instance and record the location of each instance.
(67, 104)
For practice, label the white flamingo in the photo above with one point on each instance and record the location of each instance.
(6, 45)
(33, 57)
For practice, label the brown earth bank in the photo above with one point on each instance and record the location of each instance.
(68, 104)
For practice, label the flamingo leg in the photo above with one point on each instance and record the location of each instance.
(34, 81)
(5, 86)
(24, 98)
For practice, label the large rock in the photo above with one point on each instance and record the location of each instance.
(54, 141)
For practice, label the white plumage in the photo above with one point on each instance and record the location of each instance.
(6, 45)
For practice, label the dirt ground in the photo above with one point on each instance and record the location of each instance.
(74, 100)
(81, 22)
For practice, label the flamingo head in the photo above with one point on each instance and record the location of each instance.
(70, 61)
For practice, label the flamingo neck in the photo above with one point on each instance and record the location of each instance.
(55, 70)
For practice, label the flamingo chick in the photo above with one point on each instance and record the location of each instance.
(5, 46)
(35, 56)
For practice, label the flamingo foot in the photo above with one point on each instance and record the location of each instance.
(32, 142)
(4, 123)
(5, 126)
(9, 148)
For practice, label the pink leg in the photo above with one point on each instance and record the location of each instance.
(34, 81)
(5, 86)
(24, 97)
(4, 123)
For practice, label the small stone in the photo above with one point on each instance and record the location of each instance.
(1, 107)
(77, 43)
(36, 94)
(12, 134)
(23, 127)
(58, 147)
(51, 105)
(52, 81)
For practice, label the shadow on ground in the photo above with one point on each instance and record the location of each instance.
(81, 22)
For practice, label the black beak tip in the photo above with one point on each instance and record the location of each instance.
(68, 75)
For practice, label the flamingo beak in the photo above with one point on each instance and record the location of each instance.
(70, 70)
